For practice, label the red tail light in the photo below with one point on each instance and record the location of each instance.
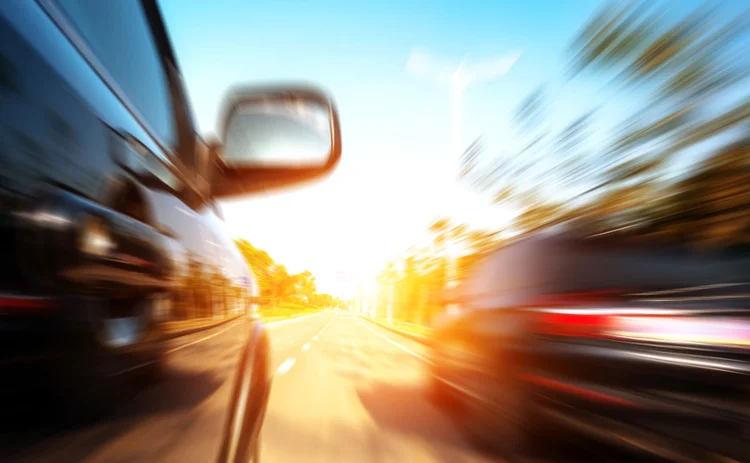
(681, 329)
(574, 324)
(20, 302)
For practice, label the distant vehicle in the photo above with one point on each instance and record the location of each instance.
(110, 226)
(642, 347)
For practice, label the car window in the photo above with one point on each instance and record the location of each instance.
(119, 34)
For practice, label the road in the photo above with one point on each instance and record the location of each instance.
(354, 393)
(344, 390)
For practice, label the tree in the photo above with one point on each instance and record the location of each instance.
(275, 282)
(688, 63)
(262, 266)
(282, 285)
(687, 74)
(421, 281)
(303, 285)
(323, 300)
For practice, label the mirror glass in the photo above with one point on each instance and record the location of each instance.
(290, 132)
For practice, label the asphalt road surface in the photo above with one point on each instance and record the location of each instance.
(344, 390)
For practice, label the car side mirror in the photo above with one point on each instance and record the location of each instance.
(273, 138)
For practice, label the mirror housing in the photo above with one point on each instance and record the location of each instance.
(274, 137)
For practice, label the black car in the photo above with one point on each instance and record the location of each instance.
(632, 344)
(108, 213)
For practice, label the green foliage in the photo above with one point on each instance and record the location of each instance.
(688, 71)
(277, 286)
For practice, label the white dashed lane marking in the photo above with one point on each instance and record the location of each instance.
(286, 366)
(329, 322)
(289, 363)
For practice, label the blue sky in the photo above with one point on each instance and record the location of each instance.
(397, 170)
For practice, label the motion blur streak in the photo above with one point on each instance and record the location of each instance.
(615, 298)
(24, 303)
(590, 395)
(537, 247)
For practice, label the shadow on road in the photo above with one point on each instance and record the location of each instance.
(290, 439)
(405, 408)
(177, 390)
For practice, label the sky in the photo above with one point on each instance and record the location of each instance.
(414, 82)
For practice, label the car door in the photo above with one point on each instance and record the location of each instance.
(136, 62)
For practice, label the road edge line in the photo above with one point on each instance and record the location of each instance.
(422, 339)
(404, 348)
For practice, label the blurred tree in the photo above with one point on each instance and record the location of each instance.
(303, 285)
(281, 286)
(686, 64)
(420, 283)
(686, 76)
(710, 205)
(262, 266)
(323, 300)
(275, 283)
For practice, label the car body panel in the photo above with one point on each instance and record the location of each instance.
(670, 373)
(73, 151)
